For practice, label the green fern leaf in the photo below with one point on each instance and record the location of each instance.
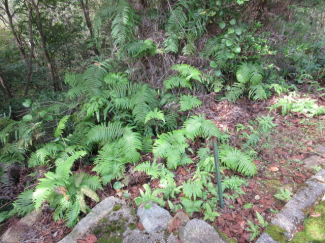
(199, 126)
(238, 161)
(187, 71)
(192, 189)
(155, 114)
(189, 102)
(90, 193)
(61, 126)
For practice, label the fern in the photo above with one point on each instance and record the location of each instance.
(198, 126)
(122, 148)
(155, 114)
(188, 72)
(138, 49)
(23, 204)
(189, 102)
(148, 196)
(67, 193)
(191, 206)
(105, 133)
(170, 146)
(171, 44)
(152, 170)
(249, 77)
(61, 126)
(192, 189)
(169, 189)
(142, 103)
(237, 160)
(177, 81)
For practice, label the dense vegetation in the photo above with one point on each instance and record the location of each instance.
(103, 83)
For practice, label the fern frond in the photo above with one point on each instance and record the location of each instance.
(177, 81)
(199, 126)
(235, 92)
(24, 203)
(155, 114)
(61, 126)
(143, 102)
(176, 20)
(188, 71)
(140, 48)
(105, 133)
(189, 102)
(90, 193)
(257, 92)
(244, 73)
(151, 169)
(192, 189)
(171, 44)
(238, 161)
(116, 78)
(171, 146)
(72, 215)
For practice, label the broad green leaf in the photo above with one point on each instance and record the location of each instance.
(231, 30)
(218, 73)
(222, 25)
(238, 31)
(237, 49)
(232, 22)
(27, 117)
(213, 64)
(228, 43)
(27, 103)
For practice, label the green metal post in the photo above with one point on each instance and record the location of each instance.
(216, 160)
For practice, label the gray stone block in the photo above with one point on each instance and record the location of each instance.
(92, 218)
(266, 238)
(153, 219)
(198, 231)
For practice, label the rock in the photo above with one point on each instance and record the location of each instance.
(180, 219)
(320, 149)
(266, 238)
(96, 214)
(153, 219)
(198, 231)
(293, 213)
(14, 233)
(313, 161)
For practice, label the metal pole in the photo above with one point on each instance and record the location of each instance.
(216, 160)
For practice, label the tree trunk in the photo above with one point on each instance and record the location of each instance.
(12, 28)
(31, 52)
(53, 78)
(85, 9)
(4, 85)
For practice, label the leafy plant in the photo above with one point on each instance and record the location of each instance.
(189, 102)
(171, 146)
(191, 206)
(198, 126)
(192, 189)
(261, 220)
(66, 193)
(236, 160)
(249, 77)
(283, 194)
(254, 228)
(148, 196)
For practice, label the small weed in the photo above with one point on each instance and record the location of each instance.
(103, 221)
(283, 195)
(248, 206)
(117, 207)
(132, 226)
